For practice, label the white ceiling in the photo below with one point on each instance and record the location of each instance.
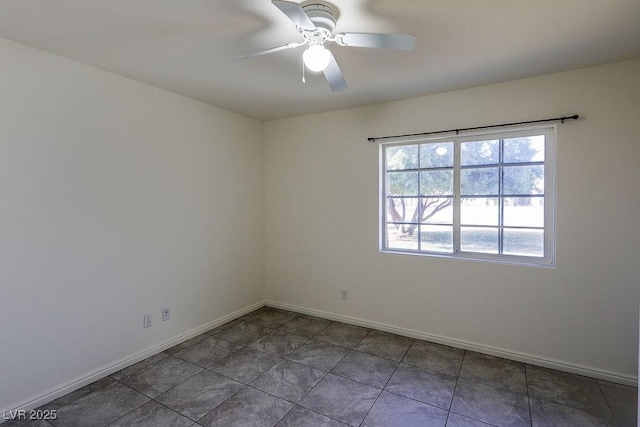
(189, 46)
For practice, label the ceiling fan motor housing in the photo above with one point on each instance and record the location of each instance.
(324, 16)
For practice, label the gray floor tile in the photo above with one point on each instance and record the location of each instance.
(456, 420)
(75, 395)
(248, 408)
(161, 376)
(13, 420)
(434, 357)
(100, 407)
(341, 399)
(491, 405)
(567, 389)
(288, 380)
(39, 423)
(385, 345)
(494, 371)
(337, 384)
(278, 343)
(208, 351)
(198, 395)
(627, 423)
(319, 355)
(188, 343)
(152, 414)
(245, 365)
(305, 326)
(8, 421)
(138, 366)
(243, 333)
(303, 417)
(365, 368)
(262, 309)
(224, 327)
(623, 402)
(271, 319)
(342, 334)
(616, 385)
(391, 410)
(429, 387)
(553, 414)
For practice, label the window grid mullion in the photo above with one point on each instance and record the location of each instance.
(385, 211)
(501, 196)
(419, 199)
(456, 195)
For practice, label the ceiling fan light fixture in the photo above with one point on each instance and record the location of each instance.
(316, 57)
(315, 20)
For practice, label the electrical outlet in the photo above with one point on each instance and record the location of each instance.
(345, 294)
(148, 321)
(165, 314)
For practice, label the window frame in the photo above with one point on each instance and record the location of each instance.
(550, 154)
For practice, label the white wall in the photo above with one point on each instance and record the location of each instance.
(321, 208)
(116, 199)
(119, 199)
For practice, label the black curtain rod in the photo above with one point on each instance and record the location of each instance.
(457, 131)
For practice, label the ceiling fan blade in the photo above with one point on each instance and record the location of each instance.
(272, 50)
(389, 41)
(295, 13)
(334, 76)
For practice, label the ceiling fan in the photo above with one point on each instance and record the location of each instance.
(316, 22)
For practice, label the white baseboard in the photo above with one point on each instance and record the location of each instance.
(97, 374)
(465, 345)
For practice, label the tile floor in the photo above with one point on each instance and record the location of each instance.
(273, 367)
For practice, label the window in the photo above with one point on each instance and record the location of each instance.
(482, 196)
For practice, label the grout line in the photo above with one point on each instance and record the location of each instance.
(526, 379)
(173, 410)
(607, 402)
(384, 386)
(316, 412)
(313, 388)
(455, 388)
(572, 404)
(135, 409)
(222, 403)
(374, 404)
